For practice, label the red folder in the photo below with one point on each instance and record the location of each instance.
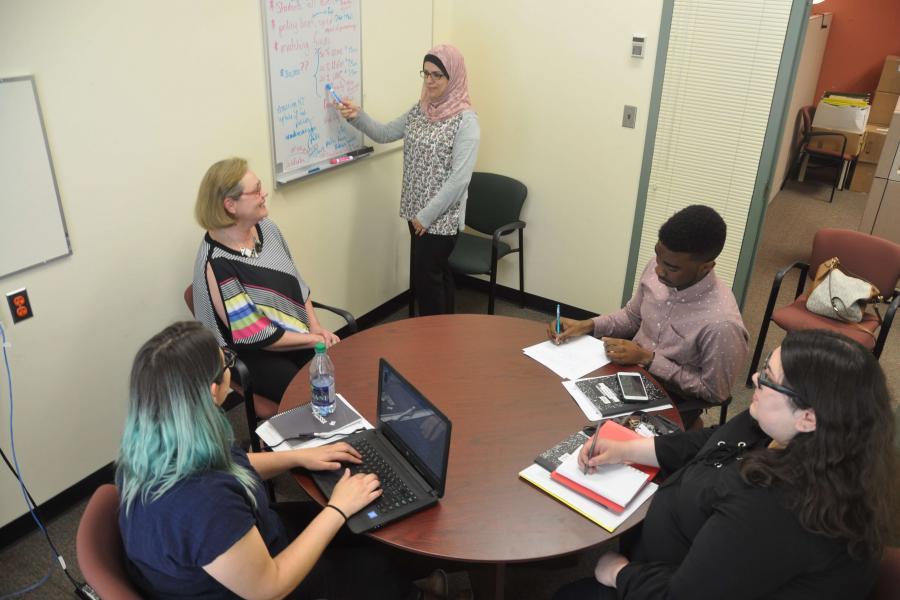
(610, 430)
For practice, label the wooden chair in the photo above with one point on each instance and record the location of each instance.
(870, 257)
(98, 546)
(493, 208)
(841, 160)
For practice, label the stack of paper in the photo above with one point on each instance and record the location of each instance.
(589, 509)
(571, 359)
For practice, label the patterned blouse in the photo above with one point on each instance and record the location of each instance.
(264, 295)
(438, 159)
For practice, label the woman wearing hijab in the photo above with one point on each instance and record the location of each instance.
(441, 136)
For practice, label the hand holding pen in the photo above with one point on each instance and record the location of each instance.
(568, 328)
(590, 453)
(599, 451)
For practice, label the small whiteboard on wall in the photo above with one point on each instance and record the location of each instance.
(31, 217)
(310, 44)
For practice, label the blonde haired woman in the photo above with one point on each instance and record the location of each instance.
(247, 290)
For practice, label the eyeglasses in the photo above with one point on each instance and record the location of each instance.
(235, 195)
(763, 380)
(229, 357)
(257, 192)
(436, 75)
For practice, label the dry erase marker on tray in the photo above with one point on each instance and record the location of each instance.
(340, 159)
(330, 89)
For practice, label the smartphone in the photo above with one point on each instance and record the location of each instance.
(633, 389)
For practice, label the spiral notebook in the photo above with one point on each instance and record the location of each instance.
(297, 427)
(618, 483)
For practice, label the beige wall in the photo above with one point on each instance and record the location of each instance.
(139, 98)
(803, 95)
(549, 81)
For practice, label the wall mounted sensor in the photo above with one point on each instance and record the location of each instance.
(637, 45)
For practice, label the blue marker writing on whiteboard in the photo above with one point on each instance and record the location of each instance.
(330, 89)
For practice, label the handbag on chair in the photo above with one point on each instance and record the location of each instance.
(839, 295)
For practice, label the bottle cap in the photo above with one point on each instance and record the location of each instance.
(320, 347)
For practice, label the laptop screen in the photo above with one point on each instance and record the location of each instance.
(418, 429)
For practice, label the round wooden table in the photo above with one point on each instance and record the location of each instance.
(506, 408)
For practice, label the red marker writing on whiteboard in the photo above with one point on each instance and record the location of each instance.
(340, 159)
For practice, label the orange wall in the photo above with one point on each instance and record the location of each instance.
(863, 32)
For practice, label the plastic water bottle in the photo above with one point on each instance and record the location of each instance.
(321, 380)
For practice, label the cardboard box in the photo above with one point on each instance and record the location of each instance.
(883, 107)
(843, 118)
(863, 176)
(873, 144)
(832, 143)
(890, 75)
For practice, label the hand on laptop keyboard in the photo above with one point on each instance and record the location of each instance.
(353, 492)
(330, 457)
(396, 492)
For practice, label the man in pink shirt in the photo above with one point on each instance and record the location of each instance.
(682, 324)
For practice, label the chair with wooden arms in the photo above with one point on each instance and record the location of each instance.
(810, 154)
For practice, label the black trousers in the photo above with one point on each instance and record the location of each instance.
(430, 274)
(352, 566)
(271, 372)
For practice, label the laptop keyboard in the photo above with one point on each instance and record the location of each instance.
(396, 493)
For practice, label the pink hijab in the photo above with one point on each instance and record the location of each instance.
(455, 98)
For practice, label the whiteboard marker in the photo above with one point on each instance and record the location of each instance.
(330, 89)
(340, 159)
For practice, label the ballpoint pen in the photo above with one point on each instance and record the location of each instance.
(557, 319)
(591, 451)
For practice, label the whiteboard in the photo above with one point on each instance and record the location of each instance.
(33, 225)
(311, 43)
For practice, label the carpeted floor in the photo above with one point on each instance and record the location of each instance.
(792, 219)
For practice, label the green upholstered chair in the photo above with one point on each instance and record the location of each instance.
(492, 209)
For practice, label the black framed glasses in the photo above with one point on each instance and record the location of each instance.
(436, 75)
(229, 357)
(763, 380)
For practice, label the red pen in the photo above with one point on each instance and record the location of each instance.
(340, 159)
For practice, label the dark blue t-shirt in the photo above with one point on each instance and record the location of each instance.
(168, 541)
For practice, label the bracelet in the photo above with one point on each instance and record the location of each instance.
(340, 512)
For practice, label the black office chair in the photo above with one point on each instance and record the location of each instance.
(258, 407)
(702, 405)
(493, 208)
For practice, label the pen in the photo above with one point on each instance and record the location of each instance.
(591, 451)
(340, 159)
(557, 319)
(330, 89)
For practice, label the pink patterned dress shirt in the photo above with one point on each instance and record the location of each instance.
(697, 333)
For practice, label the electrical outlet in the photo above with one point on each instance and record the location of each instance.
(629, 116)
(19, 305)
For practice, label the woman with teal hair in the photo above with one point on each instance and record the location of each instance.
(194, 517)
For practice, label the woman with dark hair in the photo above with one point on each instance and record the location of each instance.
(440, 143)
(791, 499)
(194, 518)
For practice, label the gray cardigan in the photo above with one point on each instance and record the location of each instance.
(465, 151)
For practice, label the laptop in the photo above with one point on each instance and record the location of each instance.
(408, 450)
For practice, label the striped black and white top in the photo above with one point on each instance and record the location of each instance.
(264, 295)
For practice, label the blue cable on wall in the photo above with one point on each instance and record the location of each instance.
(81, 589)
